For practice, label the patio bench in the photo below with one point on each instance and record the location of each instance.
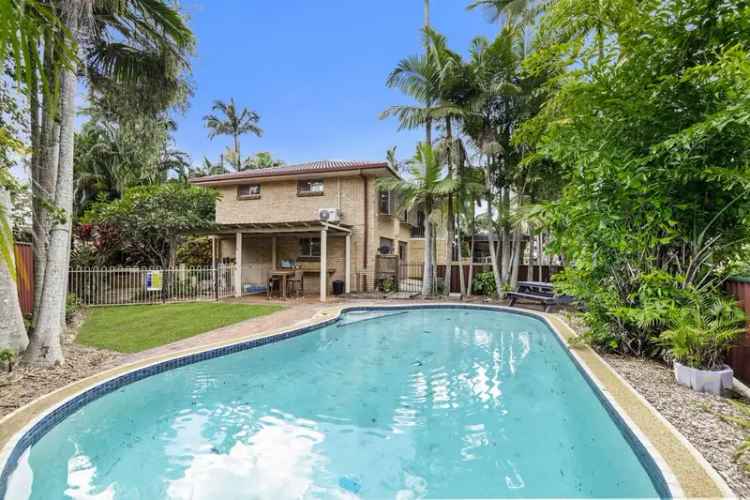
(542, 293)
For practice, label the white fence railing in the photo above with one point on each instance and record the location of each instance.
(130, 285)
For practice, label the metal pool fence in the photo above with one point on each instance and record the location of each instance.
(132, 285)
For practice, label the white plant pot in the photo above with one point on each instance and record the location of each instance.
(711, 381)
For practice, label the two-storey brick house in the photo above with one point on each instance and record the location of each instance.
(328, 218)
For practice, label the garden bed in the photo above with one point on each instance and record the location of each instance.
(24, 384)
(716, 426)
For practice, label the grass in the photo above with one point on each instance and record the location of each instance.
(130, 329)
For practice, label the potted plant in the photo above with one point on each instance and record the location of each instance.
(700, 336)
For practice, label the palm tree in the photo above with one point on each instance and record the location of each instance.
(426, 187)
(506, 12)
(415, 76)
(261, 160)
(233, 123)
(130, 45)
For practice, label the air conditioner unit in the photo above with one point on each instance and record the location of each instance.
(329, 214)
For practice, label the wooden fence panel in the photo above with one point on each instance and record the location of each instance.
(25, 277)
(739, 357)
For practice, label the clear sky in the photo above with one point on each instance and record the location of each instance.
(314, 70)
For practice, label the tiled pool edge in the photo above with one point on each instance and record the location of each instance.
(79, 393)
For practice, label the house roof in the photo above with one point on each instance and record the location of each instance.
(315, 167)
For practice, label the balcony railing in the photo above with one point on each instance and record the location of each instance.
(417, 232)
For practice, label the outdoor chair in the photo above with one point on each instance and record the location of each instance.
(271, 283)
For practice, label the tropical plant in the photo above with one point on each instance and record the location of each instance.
(425, 187)
(226, 119)
(506, 12)
(261, 160)
(151, 221)
(484, 284)
(703, 332)
(650, 127)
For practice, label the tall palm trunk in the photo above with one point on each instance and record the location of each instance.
(451, 220)
(428, 265)
(44, 166)
(12, 330)
(505, 249)
(238, 167)
(470, 284)
(45, 342)
(428, 121)
(492, 234)
(516, 259)
(461, 277)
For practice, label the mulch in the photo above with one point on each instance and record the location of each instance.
(715, 425)
(25, 383)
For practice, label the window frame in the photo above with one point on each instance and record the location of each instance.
(312, 245)
(251, 196)
(310, 182)
(389, 201)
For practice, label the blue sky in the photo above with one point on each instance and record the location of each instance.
(313, 70)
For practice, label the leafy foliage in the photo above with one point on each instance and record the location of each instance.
(484, 284)
(148, 222)
(703, 333)
(652, 128)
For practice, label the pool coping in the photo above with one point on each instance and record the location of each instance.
(627, 404)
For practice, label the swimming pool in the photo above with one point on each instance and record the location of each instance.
(419, 402)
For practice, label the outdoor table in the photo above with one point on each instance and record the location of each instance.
(536, 286)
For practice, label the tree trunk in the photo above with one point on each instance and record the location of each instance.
(44, 167)
(237, 152)
(505, 249)
(450, 240)
(539, 257)
(427, 275)
(12, 330)
(492, 236)
(461, 278)
(516, 259)
(45, 342)
(470, 284)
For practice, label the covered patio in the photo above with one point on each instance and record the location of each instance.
(321, 250)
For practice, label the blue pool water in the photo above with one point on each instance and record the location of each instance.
(422, 403)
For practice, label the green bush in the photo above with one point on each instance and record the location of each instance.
(702, 333)
(484, 284)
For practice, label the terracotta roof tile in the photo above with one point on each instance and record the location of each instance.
(301, 168)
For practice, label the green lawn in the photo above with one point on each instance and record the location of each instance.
(137, 328)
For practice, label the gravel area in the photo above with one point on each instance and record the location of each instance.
(716, 426)
(24, 384)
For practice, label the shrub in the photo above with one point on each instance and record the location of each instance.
(702, 333)
(484, 284)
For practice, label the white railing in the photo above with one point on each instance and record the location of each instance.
(133, 285)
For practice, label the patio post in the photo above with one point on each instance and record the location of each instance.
(273, 252)
(323, 264)
(348, 264)
(238, 265)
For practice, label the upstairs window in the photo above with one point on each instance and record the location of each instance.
(248, 191)
(384, 202)
(309, 247)
(310, 187)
